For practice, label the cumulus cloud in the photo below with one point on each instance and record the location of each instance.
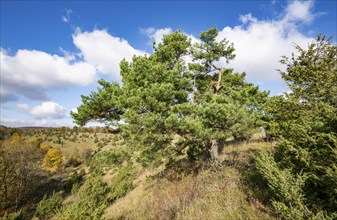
(74, 110)
(247, 18)
(31, 73)
(299, 11)
(156, 35)
(104, 51)
(47, 110)
(260, 44)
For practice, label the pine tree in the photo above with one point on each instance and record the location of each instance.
(222, 104)
(162, 96)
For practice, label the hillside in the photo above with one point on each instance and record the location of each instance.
(178, 189)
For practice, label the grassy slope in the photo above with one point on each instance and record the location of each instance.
(184, 191)
(217, 191)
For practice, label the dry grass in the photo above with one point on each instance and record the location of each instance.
(216, 192)
(239, 153)
(134, 198)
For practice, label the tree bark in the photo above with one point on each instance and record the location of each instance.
(218, 85)
(214, 151)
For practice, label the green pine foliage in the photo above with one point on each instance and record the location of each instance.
(91, 203)
(107, 159)
(162, 96)
(48, 206)
(306, 122)
(122, 182)
(222, 104)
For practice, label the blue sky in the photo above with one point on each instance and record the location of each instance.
(54, 51)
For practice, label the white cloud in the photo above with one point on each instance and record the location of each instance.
(15, 122)
(247, 18)
(23, 107)
(47, 110)
(74, 110)
(104, 51)
(259, 44)
(156, 35)
(299, 11)
(31, 73)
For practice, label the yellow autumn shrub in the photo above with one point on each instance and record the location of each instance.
(52, 162)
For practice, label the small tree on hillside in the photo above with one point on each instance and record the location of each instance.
(306, 121)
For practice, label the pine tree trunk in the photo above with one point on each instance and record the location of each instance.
(218, 85)
(214, 151)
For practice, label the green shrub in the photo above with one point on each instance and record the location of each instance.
(121, 183)
(96, 140)
(286, 188)
(91, 203)
(302, 172)
(108, 158)
(75, 188)
(48, 206)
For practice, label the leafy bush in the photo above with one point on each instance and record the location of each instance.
(48, 206)
(53, 160)
(302, 172)
(286, 188)
(92, 201)
(121, 183)
(108, 158)
(96, 139)
(75, 188)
